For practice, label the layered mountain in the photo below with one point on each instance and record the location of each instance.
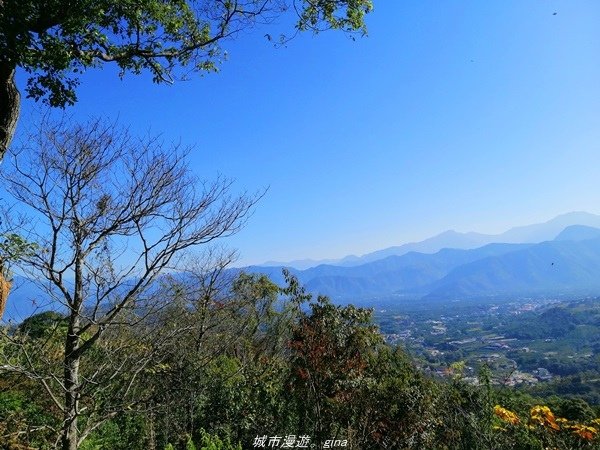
(578, 233)
(410, 273)
(553, 267)
(453, 239)
(568, 264)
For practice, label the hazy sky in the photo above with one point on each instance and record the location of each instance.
(467, 115)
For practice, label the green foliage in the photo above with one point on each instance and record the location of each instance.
(124, 432)
(256, 359)
(348, 18)
(58, 40)
(43, 324)
(19, 408)
(189, 445)
(207, 441)
(575, 409)
(397, 404)
(13, 248)
(213, 442)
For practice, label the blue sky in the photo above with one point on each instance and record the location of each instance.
(466, 115)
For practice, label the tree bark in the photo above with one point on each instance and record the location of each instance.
(70, 433)
(10, 102)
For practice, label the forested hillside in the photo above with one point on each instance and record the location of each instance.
(254, 361)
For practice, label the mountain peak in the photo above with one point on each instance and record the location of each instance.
(578, 233)
(535, 233)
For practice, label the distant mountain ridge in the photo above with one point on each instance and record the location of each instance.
(567, 262)
(578, 233)
(453, 239)
(552, 267)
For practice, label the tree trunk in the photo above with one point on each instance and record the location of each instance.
(70, 433)
(152, 432)
(10, 102)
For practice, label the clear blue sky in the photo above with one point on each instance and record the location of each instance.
(467, 115)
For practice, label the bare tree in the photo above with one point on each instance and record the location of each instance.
(109, 214)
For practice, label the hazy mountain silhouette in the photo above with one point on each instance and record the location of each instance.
(578, 233)
(552, 267)
(408, 273)
(453, 239)
(567, 262)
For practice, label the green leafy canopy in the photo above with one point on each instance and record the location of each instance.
(13, 248)
(56, 40)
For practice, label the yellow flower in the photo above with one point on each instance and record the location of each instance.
(542, 415)
(506, 415)
(585, 431)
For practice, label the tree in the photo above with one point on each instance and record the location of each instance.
(331, 348)
(396, 407)
(109, 213)
(226, 374)
(54, 41)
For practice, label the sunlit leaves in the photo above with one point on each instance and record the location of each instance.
(13, 247)
(544, 427)
(55, 41)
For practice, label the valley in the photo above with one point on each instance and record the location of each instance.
(542, 345)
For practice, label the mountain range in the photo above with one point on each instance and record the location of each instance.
(558, 257)
(453, 239)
